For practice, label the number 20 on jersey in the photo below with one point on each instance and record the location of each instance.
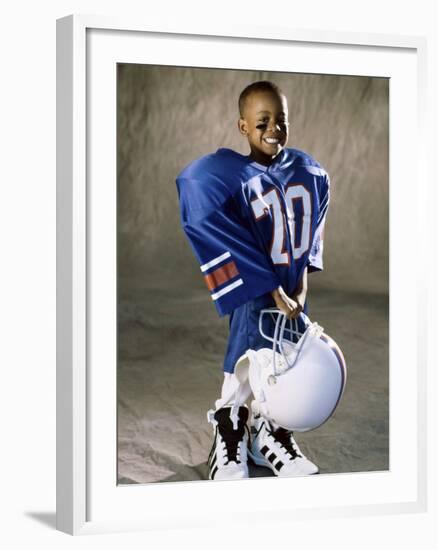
(271, 202)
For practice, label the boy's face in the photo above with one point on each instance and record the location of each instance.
(264, 122)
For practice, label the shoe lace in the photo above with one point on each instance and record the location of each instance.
(231, 444)
(284, 437)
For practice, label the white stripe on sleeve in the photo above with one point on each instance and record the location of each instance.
(227, 289)
(215, 261)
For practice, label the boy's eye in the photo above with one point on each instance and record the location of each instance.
(262, 126)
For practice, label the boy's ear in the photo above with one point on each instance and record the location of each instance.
(243, 126)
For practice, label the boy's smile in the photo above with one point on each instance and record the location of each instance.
(264, 123)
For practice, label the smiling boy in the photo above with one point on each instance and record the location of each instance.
(255, 224)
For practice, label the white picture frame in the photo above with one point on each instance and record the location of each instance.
(88, 499)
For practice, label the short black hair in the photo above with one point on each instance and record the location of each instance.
(260, 86)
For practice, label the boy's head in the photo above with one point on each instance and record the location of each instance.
(264, 120)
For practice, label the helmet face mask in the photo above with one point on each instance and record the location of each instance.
(298, 382)
(288, 341)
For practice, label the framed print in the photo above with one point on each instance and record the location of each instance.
(140, 344)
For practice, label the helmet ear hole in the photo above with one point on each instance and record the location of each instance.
(272, 380)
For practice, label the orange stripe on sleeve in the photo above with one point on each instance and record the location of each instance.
(221, 275)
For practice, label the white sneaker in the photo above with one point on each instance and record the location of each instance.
(228, 456)
(278, 450)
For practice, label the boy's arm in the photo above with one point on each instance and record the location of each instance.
(291, 306)
(235, 268)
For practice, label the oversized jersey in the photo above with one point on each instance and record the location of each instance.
(252, 227)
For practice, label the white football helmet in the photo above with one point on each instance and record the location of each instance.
(298, 383)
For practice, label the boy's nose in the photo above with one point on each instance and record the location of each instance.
(273, 127)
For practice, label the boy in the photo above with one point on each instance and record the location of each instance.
(255, 224)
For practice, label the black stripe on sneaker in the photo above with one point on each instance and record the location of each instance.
(213, 473)
(279, 465)
(213, 462)
(213, 448)
(272, 457)
(264, 450)
(256, 433)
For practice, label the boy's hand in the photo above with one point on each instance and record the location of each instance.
(289, 306)
(300, 298)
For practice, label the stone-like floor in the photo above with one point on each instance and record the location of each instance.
(170, 356)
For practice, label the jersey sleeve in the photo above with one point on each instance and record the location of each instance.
(315, 262)
(234, 267)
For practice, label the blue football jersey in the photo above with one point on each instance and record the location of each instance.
(253, 227)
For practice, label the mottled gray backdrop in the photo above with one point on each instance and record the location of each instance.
(170, 340)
